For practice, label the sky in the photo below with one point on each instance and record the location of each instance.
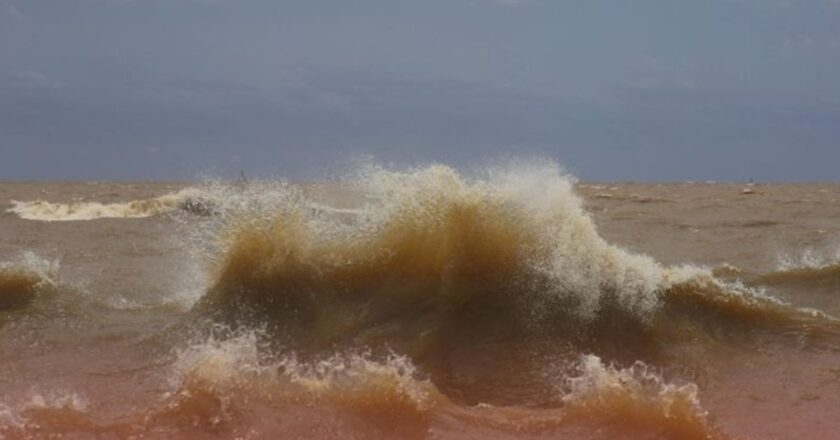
(611, 89)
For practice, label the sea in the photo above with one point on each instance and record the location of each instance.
(509, 301)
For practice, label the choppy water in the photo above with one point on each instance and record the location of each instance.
(511, 302)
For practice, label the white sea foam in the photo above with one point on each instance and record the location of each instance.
(31, 264)
(43, 210)
(809, 259)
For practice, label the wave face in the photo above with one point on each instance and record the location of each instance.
(41, 210)
(22, 278)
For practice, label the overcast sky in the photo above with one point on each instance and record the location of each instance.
(612, 89)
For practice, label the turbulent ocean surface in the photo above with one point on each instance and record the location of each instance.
(507, 302)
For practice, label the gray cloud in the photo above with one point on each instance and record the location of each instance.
(27, 79)
(10, 12)
(725, 89)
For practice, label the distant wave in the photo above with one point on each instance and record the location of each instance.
(827, 273)
(187, 199)
(750, 224)
(635, 198)
(810, 267)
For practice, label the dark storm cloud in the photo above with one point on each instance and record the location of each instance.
(725, 89)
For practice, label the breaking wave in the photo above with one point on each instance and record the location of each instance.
(638, 396)
(810, 267)
(225, 387)
(430, 249)
(700, 290)
(21, 280)
(187, 199)
(445, 235)
(354, 379)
